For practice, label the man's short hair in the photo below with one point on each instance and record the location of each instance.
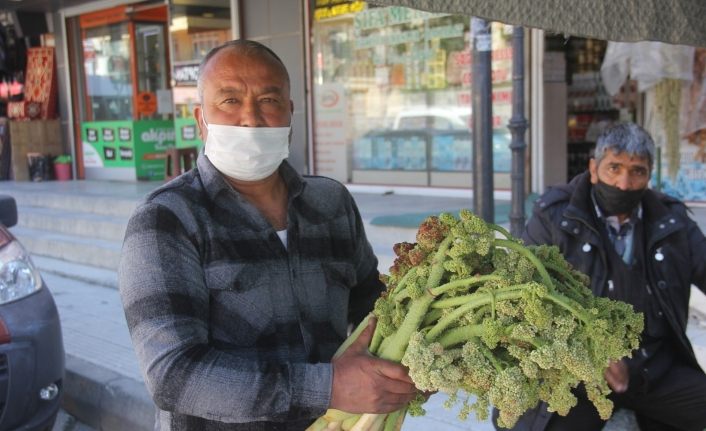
(626, 138)
(244, 46)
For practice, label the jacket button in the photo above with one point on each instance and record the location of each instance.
(576, 230)
(564, 223)
(662, 284)
(586, 247)
(661, 225)
(659, 256)
(672, 221)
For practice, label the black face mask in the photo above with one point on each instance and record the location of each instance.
(613, 200)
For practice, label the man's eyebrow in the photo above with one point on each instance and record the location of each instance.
(229, 90)
(235, 90)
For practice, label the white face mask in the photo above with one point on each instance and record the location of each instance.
(246, 153)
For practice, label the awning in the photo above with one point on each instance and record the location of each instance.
(672, 21)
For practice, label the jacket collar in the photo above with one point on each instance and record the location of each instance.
(659, 221)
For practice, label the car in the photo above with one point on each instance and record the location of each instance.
(446, 118)
(31, 345)
(434, 138)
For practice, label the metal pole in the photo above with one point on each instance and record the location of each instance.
(482, 109)
(518, 126)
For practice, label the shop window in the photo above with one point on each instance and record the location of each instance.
(392, 94)
(106, 54)
(195, 30)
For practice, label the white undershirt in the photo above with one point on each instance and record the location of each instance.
(282, 234)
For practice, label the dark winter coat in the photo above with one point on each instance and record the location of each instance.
(675, 253)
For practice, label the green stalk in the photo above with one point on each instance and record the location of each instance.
(466, 282)
(354, 336)
(403, 282)
(465, 304)
(459, 335)
(394, 420)
(529, 255)
(500, 229)
(417, 309)
(472, 301)
(432, 316)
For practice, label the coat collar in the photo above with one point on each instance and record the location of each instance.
(657, 217)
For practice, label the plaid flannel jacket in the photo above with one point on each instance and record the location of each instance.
(233, 331)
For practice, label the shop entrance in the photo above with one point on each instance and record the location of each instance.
(121, 91)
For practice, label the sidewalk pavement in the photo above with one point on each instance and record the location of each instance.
(101, 364)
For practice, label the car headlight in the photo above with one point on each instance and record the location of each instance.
(18, 275)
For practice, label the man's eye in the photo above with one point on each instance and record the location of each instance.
(231, 100)
(639, 172)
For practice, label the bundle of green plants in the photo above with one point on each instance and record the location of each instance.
(474, 313)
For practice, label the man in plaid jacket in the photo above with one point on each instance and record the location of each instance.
(239, 278)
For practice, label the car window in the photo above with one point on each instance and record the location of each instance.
(425, 122)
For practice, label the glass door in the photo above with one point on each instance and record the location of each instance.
(152, 72)
(106, 54)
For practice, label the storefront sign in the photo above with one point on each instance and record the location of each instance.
(331, 132)
(140, 145)
(186, 73)
(333, 8)
(187, 134)
(146, 103)
(386, 16)
(153, 138)
(101, 149)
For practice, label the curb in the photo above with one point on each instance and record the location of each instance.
(104, 399)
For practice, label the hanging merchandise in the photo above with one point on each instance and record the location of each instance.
(693, 118)
(661, 70)
(645, 62)
(667, 103)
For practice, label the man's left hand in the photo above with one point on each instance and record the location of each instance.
(617, 376)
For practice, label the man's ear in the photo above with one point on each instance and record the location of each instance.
(198, 115)
(593, 169)
(291, 107)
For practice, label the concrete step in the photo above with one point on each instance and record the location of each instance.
(75, 202)
(76, 271)
(86, 251)
(67, 222)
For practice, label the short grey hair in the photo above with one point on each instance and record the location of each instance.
(626, 138)
(247, 47)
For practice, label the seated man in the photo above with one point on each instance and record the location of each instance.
(641, 247)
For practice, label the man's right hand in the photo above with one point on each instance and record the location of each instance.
(363, 383)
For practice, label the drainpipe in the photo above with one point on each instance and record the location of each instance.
(482, 109)
(518, 126)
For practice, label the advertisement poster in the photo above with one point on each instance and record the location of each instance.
(187, 133)
(108, 144)
(330, 132)
(152, 139)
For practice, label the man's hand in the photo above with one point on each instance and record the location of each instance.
(363, 383)
(617, 376)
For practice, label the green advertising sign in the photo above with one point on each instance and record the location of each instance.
(152, 139)
(108, 144)
(187, 133)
